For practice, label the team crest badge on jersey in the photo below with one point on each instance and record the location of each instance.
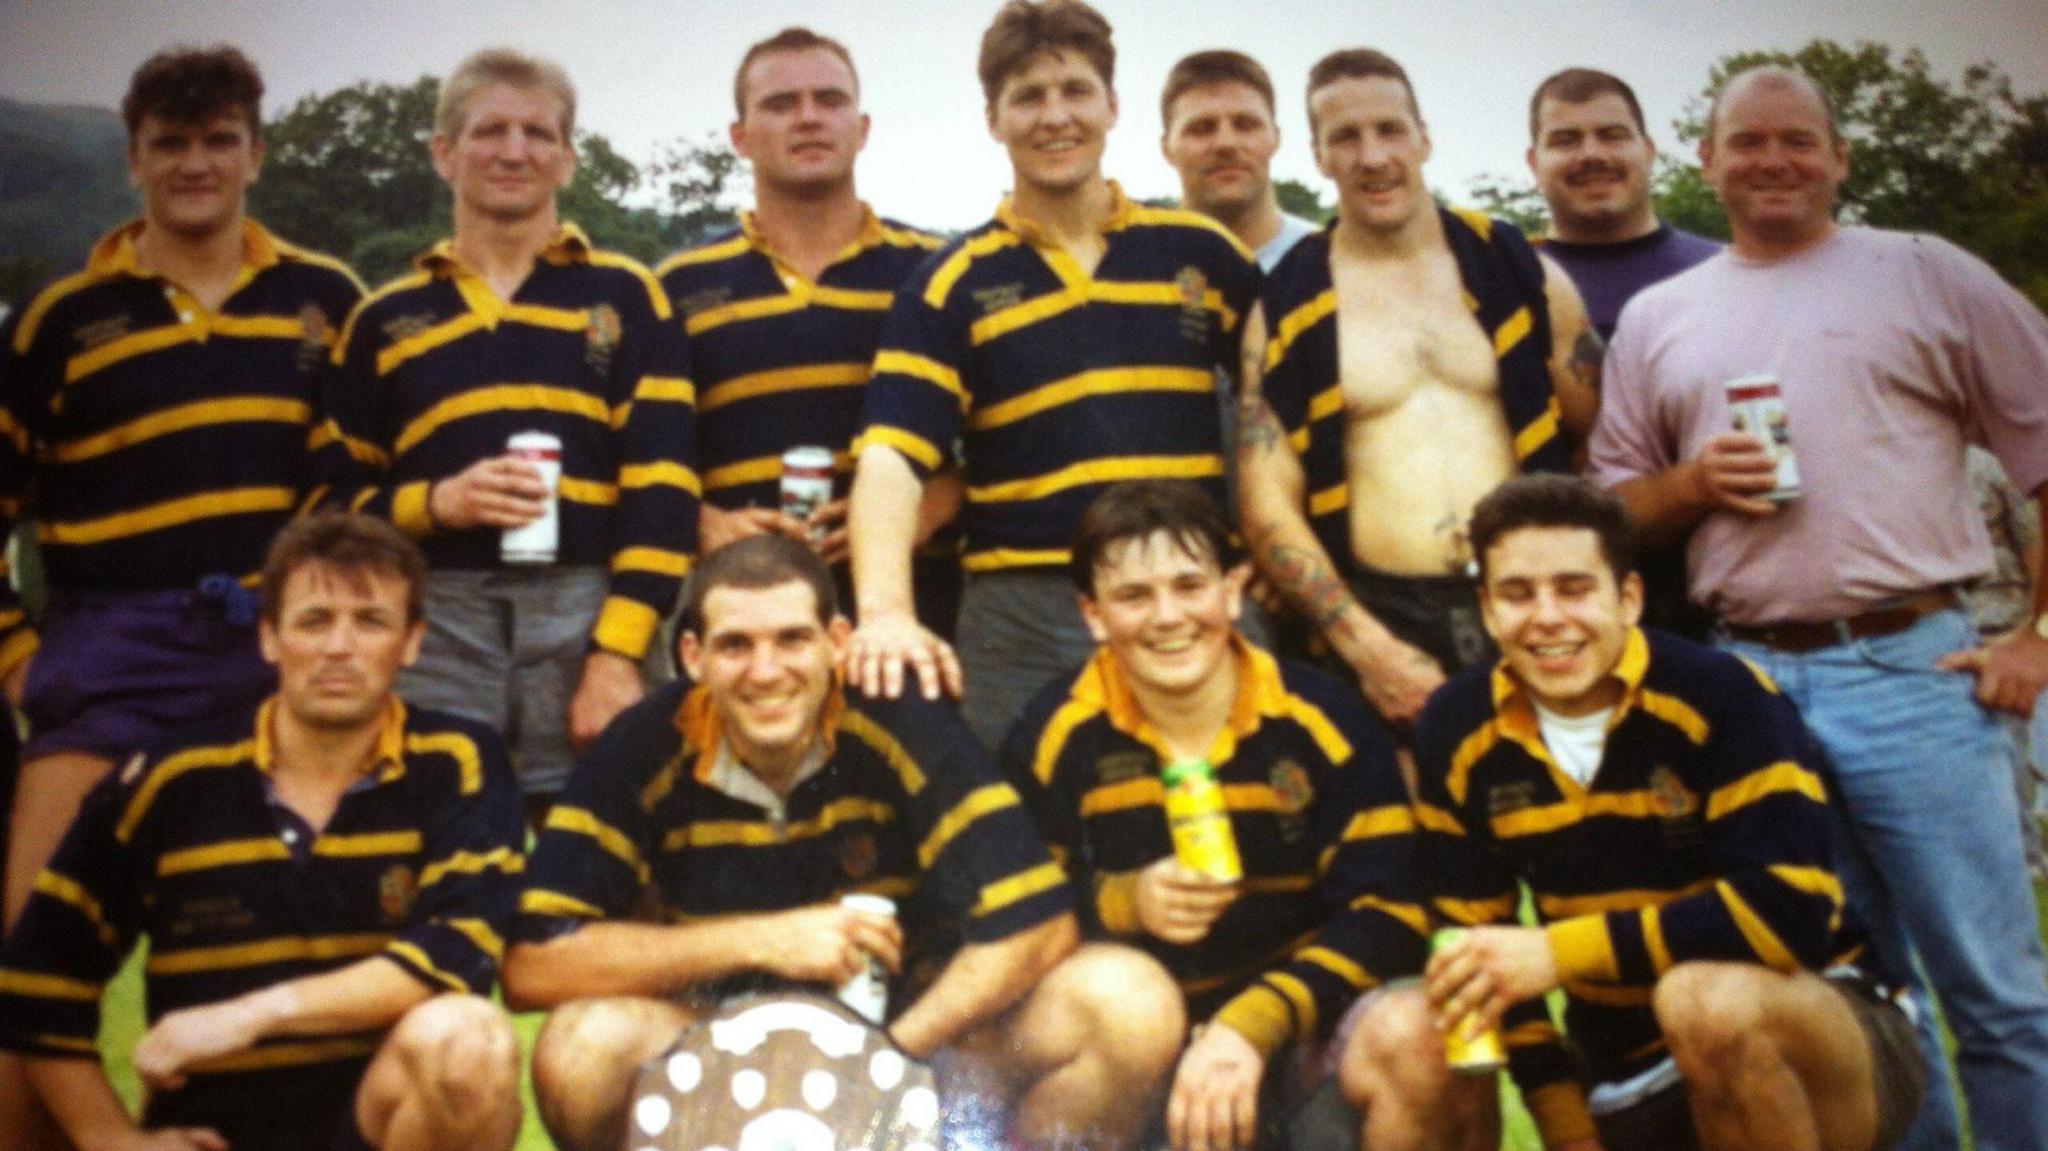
(400, 328)
(601, 337)
(397, 890)
(858, 855)
(1296, 791)
(995, 299)
(314, 334)
(1670, 796)
(1194, 316)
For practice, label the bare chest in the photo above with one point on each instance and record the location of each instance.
(1405, 331)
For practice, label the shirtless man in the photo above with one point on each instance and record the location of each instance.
(1418, 356)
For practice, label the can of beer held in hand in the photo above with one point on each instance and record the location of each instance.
(1482, 1054)
(1756, 405)
(536, 542)
(1199, 821)
(806, 483)
(868, 992)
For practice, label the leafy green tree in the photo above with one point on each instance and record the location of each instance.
(1967, 160)
(1298, 199)
(1512, 199)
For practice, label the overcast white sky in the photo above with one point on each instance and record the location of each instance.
(649, 71)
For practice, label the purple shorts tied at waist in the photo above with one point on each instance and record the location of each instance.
(116, 669)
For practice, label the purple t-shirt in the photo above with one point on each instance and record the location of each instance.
(1608, 274)
(1893, 352)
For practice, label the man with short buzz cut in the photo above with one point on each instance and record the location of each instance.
(323, 880)
(784, 311)
(1888, 353)
(1218, 132)
(1068, 343)
(1407, 360)
(1592, 157)
(519, 324)
(154, 413)
(705, 842)
(1667, 812)
(1328, 904)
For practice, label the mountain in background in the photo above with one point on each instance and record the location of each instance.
(63, 183)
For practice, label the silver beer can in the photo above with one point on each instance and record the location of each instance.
(1756, 405)
(536, 542)
(868, 992)
(806, 482)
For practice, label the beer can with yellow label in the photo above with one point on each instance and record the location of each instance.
(1199, 821)
(1482, 1054)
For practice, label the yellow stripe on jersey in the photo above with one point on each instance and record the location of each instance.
(205, 413)
(979, 802)
(1107, 470)
(500, 398)
(1104, 381)
(285, 949)
(170, 513)
(804, 377)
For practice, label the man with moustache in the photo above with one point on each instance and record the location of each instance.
(515, 324)
(1892, 352)
(1066, 344)
(783, 312)
(1410, 359)
(1591, 156)
(1220, 136)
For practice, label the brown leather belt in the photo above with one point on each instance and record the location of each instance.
(1805, 636)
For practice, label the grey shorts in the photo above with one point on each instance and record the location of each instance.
(507, 648)
(1017, 631)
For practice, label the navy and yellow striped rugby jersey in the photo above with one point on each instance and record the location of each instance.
(418, 865)
(780, 360)
(434, 372)
(1330, 905)
(161, 442)
(906, 805)
(1055, 383)
(1704, 835)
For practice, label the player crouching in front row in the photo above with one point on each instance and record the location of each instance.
(324, 882)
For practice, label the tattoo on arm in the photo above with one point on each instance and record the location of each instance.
(1303, 577)
(1258, 429)
(1587, 352)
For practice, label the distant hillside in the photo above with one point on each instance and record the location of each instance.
(63, 182)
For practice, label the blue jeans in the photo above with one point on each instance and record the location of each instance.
(1932, 865)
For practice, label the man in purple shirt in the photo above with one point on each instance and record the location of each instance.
(1891, 352)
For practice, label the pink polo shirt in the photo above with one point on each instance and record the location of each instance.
(1893, 351)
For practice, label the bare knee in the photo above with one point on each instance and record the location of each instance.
(461, 1051)
(1125, 1003)
(1394, 1050)
(1392, 1071)
(1710, 1014)
(584, 1059)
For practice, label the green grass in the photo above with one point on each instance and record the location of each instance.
(123, 1025)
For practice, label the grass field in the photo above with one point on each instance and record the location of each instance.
(123, 1024)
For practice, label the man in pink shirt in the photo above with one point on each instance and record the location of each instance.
(1892, 352)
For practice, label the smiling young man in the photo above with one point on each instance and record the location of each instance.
(323, 881)
(702, 847)
(783, 312)
(1066, 344)
(1408, 360)
(1893, 352)
(518, 324)
(1327, 907)
(154, 410)
(1666, 810)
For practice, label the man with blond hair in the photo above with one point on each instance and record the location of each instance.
(517, 323)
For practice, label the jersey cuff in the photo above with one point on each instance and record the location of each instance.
(1582, 949)
(1262, 1016)
(624, 627)
(409, 509)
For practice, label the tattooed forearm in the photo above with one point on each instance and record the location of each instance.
(1258, 429)
(1305, 578)
(1587, 352)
